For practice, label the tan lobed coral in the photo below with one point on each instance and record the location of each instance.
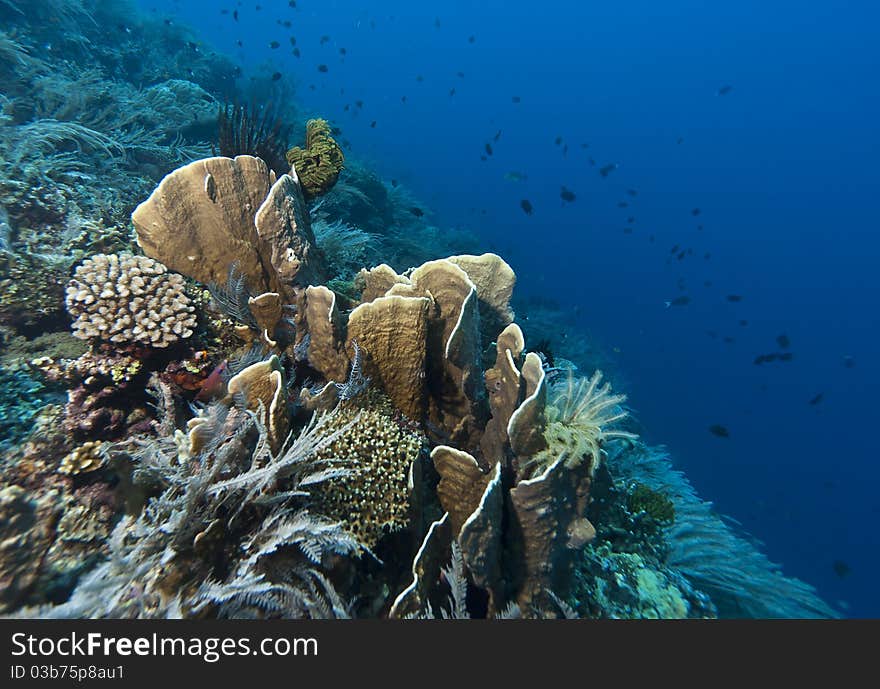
(129, 299)
(262, 387)
(213, 213)
(393, 333)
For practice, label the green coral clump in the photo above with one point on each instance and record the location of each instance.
(656, 505)
(318, 164)
(619, 585)
(377, 451)
(21, 397)
(31, 293)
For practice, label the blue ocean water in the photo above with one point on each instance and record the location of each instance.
(741, 137)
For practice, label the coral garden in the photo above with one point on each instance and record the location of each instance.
(233, 390)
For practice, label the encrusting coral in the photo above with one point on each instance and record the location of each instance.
(129, 299)
(319, 163)
(378, 449)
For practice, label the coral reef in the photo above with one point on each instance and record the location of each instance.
(276, 428)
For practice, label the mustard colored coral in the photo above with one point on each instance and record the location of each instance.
(319, 163)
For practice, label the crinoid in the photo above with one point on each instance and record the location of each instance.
(581, 414)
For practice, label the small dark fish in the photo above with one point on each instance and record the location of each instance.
(840, 568)
(632, 192)
(239, 44)
(193, 46)
(452, 91)
(848, 361)
(292, 3)
(343, 52)
(729, 340)
(680, 140)
(403, 99)
(497, 136)
(592, 162)
(437, 22)
(622, 204)
(472, 39)
(359, 103)
(324, 39)
(695, 211)
(335, 131)
(765, 359)
(420, 78)
(516, 99)
(274, 44)
(322, 68)
(276, 76)
(783, 341)
(286, 23)
(707, 256)
(167, 22)
(565, 150)
(558, 140)
(293, 40)
(630, 220)
(785, 356)
(416, 211)
(734, 297)
(460, 75)
(296, 52)
(606, 170)
(347, 107)
(674, 249)
(719, 430)
(526, 205)
(567, 195)
(373, 124)
(724, 90)
(817, 399)
(743, 323)
(488, 149)
(393, 182)
(681, 255)
(215, 384)
(235, 15)
(683, 300)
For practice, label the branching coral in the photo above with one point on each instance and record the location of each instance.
(126, 299)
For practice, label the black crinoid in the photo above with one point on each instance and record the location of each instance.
(256, 131)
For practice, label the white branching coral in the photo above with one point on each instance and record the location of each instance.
(129, 299)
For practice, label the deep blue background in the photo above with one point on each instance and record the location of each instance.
(784, 168)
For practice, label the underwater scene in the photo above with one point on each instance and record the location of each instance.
(347, 309)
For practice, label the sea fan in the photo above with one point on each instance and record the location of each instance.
(707, 549)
